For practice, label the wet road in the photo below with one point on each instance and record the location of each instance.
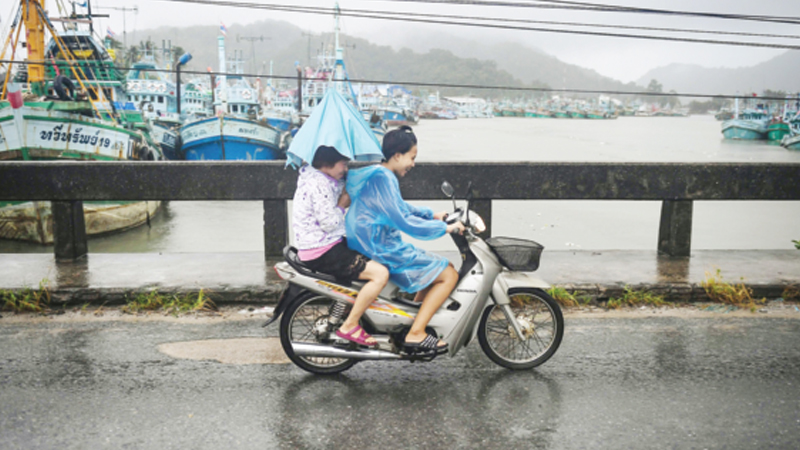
(616, 383)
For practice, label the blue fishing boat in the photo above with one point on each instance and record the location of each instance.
(236, 132)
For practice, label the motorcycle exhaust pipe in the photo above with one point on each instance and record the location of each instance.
(328, 351)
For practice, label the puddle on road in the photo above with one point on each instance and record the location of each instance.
(229, 351)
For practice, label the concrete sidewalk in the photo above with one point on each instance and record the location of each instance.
(247, 278)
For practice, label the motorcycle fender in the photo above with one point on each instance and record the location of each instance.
(289, 294)
(508, 280)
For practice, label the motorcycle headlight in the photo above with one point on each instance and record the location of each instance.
(476, 222)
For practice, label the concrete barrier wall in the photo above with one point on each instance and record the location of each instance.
(68, 183)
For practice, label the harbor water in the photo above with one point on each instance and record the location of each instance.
(220, 226)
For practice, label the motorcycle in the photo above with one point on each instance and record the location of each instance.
(518, 325)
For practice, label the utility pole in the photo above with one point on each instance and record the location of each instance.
(124, 10)
(252, 40)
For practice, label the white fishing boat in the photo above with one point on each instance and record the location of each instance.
(72, 107)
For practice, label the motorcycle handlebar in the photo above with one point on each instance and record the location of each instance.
(454, 217)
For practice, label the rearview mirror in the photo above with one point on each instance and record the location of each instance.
(448, 189)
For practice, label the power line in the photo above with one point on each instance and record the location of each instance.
(430, 84)
(597, 7)
(634, 9)
(579, 24)
(549, 22)
(406, 18)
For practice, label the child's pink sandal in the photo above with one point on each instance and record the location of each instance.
(360, 340)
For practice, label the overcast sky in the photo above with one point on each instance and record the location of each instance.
(623, 59)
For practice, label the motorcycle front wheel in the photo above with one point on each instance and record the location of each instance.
(306, 320)
(540, 320)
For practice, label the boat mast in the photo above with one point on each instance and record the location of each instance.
(34, 25)
(338, 71)
(223, 83)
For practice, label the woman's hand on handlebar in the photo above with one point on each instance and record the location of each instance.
(440, 216)
(457, 227)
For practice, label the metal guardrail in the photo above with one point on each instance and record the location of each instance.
(68, 183)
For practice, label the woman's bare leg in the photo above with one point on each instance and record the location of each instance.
(422, 294)
(438, 292)
(377, 276)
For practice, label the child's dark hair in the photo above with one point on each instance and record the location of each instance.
(400, 141)
(327, 157)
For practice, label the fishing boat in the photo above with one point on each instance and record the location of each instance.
(560, 114)
(596, 114)
(278, 105)
(331, 73)
(197, 100)
(153, 93)
(237, 132)
(792, 140)
(71, 105)
(750, 124)
(539, 113)
(724, 114)
(777, 129)
(395, 116)
(577, 114)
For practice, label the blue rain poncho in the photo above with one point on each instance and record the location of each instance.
(375, 219)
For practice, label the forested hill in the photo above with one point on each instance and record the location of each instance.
(529, 64)
(284, 44)
(778, 74)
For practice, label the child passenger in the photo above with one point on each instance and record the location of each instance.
(318, 221)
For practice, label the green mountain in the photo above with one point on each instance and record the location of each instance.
(778, 74)
(457, 62)
(530, 65)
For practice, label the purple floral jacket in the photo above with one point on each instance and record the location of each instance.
(317, 220)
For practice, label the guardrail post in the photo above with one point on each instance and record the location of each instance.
(69, 230)
(675, 232)
(484, 209)
(276, 227)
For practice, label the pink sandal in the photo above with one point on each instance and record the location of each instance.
(360, 340)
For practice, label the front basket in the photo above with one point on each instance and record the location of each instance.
(517, 254)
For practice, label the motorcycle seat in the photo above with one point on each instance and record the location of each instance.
(290, 255)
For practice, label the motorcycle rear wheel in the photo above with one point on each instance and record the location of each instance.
(300, 323)
(541, 321)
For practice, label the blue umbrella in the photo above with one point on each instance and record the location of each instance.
(335, 122)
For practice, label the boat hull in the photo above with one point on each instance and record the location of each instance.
(791, 142)
(167, 139)
(744, 130)
(33, 221)
(395, 119)
(280, 123)
(34, 132)
(777, 131)
(228, 139)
